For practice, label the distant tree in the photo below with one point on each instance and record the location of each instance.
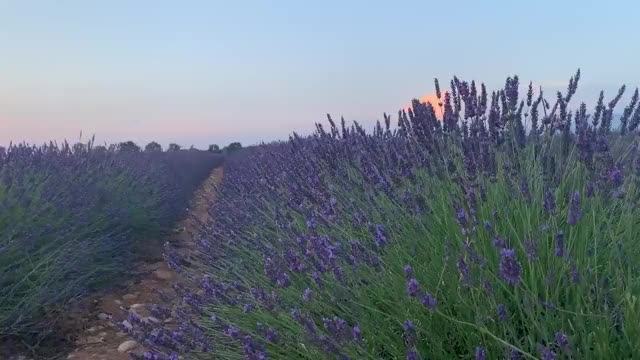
(174, 147)
(128, 146)
(100, 149)
(153, 146)
(234, 146)
(214, 148)
(79, 147)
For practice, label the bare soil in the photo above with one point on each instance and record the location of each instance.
(92, 325)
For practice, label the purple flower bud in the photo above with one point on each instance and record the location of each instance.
(381, 238)
(549, 202)
(412, 355)
(428, 301)
(463, 269)
(547, 354)
(615, 176)
(307, 295)
(501, 310)
(559, 250)
(514, 355)
(481, 353)
(413, 287)
(409, 332)
(272, 335)
(499, 243)
(531, 249)
(408, 271)
(574, 209)
(355, 332)
(562, 340)
(509, 267)
(575, 273)
(295, 313)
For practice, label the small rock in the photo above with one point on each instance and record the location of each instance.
(127, 346)
(136, 306)
(127, 325)
(129, 297)
(92, 329)
(103, 316)
(119, 302)
(163, 274)
(71, 356)
(102, 334)
(168, 320)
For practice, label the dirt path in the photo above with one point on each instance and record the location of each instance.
(101, 338)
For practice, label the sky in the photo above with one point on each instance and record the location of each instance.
(203, 72)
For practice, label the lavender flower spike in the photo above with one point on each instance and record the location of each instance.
(509, 267)
(481, 353)
(413, 287)
(574, 209)
(559, 250)
(408, 271)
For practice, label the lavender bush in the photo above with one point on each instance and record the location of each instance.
(508, 229)
(72, 218)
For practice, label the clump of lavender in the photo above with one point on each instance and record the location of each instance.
(510, 268)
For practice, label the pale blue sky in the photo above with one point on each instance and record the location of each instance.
(199, 72)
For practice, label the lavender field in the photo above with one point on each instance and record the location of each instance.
(506, 230)
(74, 218)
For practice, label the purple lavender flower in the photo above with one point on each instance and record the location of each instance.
(316, 278)
(428, 301)
(514, 355)
(413, 287)
(461, 217)
(246, 308)
(499, 242)
(463, 269)
(295, 313)
(547, 354)
(562, 340)
(307, 295)
(615, 176)
(488, 288)
(408, 271)
(357, 335)
(272, 335)
(575, 273)
(409, 332)
(590, 189)
(488, 226)
(232, 332)
(501, 310)
(559, 250)
(531, 249)
(481, 353)
(381, 238)
(549, 202)
(574, 209)
(412, 355)
(509, 267)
